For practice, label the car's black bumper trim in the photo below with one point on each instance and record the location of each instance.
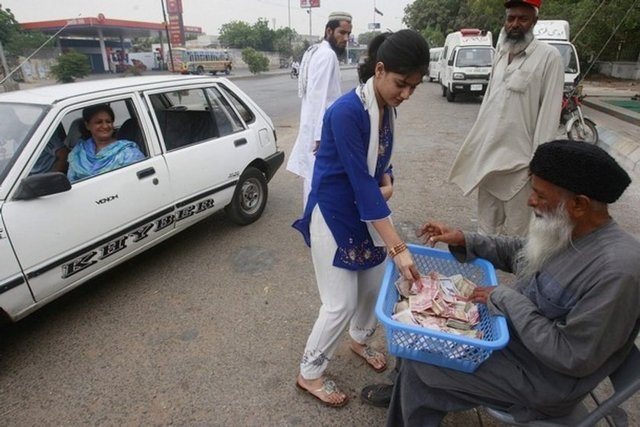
(274, 162)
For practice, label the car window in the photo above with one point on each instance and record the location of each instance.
(128, 144)
(17, 123)
(184, 117)
(226, 119)
(191, 116)
(245, 112)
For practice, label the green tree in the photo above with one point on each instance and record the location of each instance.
(299, 50)
(262, 36)
(441, 15)
(15, 41)
(598, 27)
(283, 41)
(71, 65)
(8, 25)
(365, 38)
(256, 61)
(236, 34)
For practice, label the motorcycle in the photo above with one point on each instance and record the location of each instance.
(294, 73)
(577, 126)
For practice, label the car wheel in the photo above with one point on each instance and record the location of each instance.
(444, 90)
(450, 95)
(249, 198)
(200, 70)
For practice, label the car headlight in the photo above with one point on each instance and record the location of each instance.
(458, 76)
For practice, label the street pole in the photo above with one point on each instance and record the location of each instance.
(166, 29)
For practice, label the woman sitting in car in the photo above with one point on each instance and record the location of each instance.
(101, 152)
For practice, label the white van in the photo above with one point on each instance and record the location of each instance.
(466, 63)
(556, 33)
(435, 54)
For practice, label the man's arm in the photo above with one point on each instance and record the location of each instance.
(501, 251)
(599, 323)
(321, 78)
(550, 100)
(61, 164)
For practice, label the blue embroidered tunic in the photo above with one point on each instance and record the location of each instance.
(342, 187)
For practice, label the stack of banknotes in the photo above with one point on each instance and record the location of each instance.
(438, 302)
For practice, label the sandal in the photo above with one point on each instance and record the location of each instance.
(328, 388)
(377, 395)
(371, 356)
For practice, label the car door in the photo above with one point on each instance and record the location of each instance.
(61, 239)
(207, 147)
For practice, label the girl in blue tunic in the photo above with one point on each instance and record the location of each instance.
(347, 220)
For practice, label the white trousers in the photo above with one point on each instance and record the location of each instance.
(348, 297)
(306, 189)
(510, 217)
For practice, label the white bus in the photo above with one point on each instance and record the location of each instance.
(200, 61)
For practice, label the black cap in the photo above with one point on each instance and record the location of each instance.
(581, 168)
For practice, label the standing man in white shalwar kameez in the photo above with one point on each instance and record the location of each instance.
(319, 87)
(520, 110)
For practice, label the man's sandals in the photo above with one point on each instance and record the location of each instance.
(374, 358)
(328, 388)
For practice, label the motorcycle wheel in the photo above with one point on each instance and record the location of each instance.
(587, 133)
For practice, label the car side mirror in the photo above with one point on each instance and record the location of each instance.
(42, 184)
(450, 62)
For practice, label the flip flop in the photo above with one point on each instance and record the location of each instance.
(328, 387)
(370, 355)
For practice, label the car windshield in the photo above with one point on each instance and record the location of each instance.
(17, 122)
(568, 56)
(474, 57)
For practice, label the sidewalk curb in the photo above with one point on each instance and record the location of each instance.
(617, 112)
(624, 150)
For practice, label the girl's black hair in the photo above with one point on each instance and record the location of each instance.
(402, 52)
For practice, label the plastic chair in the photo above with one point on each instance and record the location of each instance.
(625, 381)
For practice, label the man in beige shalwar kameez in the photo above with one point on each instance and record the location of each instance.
(520, 110)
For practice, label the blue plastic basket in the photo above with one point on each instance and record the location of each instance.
(436, 347)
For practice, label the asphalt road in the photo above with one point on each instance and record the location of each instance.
(207, 329)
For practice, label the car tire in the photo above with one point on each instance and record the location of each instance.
(451, 97)
(200, 70)
(249, 198)
(444, 90)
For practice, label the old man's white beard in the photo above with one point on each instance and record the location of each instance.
(514, 47)
(548, 235)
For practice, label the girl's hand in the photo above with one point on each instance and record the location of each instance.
(406, 266)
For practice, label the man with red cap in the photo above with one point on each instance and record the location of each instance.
(520, 110)
(573, 311)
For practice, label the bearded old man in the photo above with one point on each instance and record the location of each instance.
(520, 110)
(573, 312)
(318, 86)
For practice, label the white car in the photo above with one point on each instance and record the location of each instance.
(206, 146)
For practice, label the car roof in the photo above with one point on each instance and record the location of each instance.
(51, 94)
